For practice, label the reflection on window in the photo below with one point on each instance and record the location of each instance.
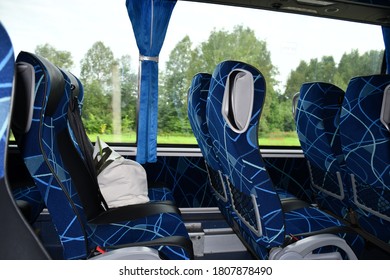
(110, 95)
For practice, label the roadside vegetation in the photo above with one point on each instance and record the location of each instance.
(110, 84)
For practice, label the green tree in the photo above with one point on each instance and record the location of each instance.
(353, 64)
(173, 89)
(322, 71)
(96, 75)
(240, 44)
(325, 70)
(62, 59)
(128, 81)
(96, 114)
(97, 65)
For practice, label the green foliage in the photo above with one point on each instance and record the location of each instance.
(174, 84)
(281, 116)
(97, 115)
(97, 74)
(62, 59)
(184, 62)
(242, 45)
(98, 68)
(351, 64)
(271, 139)
(97, 65)
(323, 70)
(129, 85)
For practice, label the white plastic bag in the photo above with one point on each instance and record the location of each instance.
(121, 181)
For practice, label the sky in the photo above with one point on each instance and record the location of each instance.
(75, 25)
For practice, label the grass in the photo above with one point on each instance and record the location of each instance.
(110, 138)
(280, 139)
(270, 139)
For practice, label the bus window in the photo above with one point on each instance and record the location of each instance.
(288, 49)
(100, 49)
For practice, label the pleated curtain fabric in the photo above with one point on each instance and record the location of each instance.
(150, 19)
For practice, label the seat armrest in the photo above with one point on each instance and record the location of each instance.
(175, 241)
(129, 253)
(303, 249)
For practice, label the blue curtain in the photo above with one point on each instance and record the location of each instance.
(386, 38)
(150, 19)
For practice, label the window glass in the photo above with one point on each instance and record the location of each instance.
(94, 40)
(288, 49)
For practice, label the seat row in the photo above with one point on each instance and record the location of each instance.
(224, 111)
(346, 140)
(47, 126)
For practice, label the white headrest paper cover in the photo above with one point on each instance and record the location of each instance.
(385, 110)
(237, 104)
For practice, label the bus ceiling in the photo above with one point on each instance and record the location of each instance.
(365, 11)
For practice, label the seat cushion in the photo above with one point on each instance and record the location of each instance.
(140, 230)
(310, 219)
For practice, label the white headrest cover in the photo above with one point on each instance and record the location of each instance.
(385, 111)
(295, 103)
(237, 104)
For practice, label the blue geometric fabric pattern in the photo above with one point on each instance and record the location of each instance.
(366, 145)
(7, 64)
(259, 214)
(187, 178)
(317, 119)
(29, 194)
(190, 171)
(17, 239)
(33, 197)
(46, 169)
(197, 99)
(241, 161)
(78, 236)
(290, 174)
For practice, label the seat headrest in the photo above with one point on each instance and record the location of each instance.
(199, 87)
(295, 103)
(237, 103)
(385, 110)
(50, 74)
(24, 85)
(76, 90)
(75, 87)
